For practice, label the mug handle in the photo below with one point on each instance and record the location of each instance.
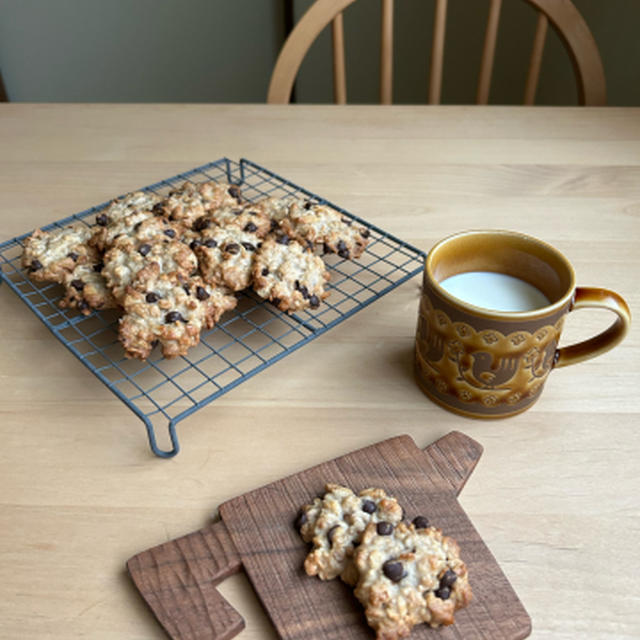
(596, 298)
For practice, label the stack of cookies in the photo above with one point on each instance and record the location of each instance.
(173, 264)
(403, 574)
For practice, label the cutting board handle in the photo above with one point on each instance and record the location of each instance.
(454, 456)
(181, 576)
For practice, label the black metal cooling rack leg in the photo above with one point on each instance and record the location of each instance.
(151, 434)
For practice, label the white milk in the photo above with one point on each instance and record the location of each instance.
(495, 291)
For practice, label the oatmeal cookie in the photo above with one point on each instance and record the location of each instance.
(129, 257)
(326, 227)
(86, 289)
(289, 275)
(192, 201)
(170, 310)
(110, 221)
(335, 523)
(248, 218)
(226, 256)
(51, 255)
(411, 575)
(275, 209)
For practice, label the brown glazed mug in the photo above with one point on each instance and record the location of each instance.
(491, 364)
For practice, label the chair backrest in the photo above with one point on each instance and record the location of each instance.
(562, 14)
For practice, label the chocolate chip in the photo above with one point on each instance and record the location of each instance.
(302, 289)
(186, 289)
(326, 248)
(347, 221)
(73, 256)
(248, 246)
(448, 579)
(314, 301)
(420, 522)
(234, 192)
(369, 506)
(201, 224)
(170, 233)
(343, 250)
(393, 570)
(78, 285)
(276, 301)
(158, 209)
(283, 239)
(237, 212)
(308, 204)
(265, 271)
(232, 248)
(151, 297)
(155, 343)
(173, 316)
(384, 528)
(210, 243)
(250, 227)
(82, 305)
(102, 220)
(137, 226)
(194, 243)
(98, 267)
(144, 249)
(274, 225)
(365, 233)
(301, 519)
(35, 265)
(201, 293)
(443, 593)
(331, 533)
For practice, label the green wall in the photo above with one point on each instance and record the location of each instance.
(224, 51)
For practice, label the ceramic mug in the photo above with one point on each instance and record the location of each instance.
(486, 363)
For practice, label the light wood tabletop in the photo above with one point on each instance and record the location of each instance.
(556, 494)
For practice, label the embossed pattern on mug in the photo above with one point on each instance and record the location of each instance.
(483, 367)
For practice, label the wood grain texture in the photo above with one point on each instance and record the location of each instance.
(80, 492)
(178, 579)
(261, 526)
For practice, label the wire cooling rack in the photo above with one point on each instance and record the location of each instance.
(245, 341)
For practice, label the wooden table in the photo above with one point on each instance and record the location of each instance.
(556, 494)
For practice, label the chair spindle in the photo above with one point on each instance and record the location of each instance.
(386, 53)
(339, 72)
(536, 59)
(488, 52)
(437, 52)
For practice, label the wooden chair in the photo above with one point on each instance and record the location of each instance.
(562, 15)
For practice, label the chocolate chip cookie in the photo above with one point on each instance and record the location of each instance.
(326, 227)
(193, 201)
(129, 257)
(289, 274)
(335, 524)
(226, 256)
(50, 255)
(121, 216)
(170, 310)
(86, 289)
(248, 218)
(411, 575)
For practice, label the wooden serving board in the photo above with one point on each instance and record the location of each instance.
(178, 579)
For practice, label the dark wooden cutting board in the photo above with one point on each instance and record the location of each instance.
(178, 579)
